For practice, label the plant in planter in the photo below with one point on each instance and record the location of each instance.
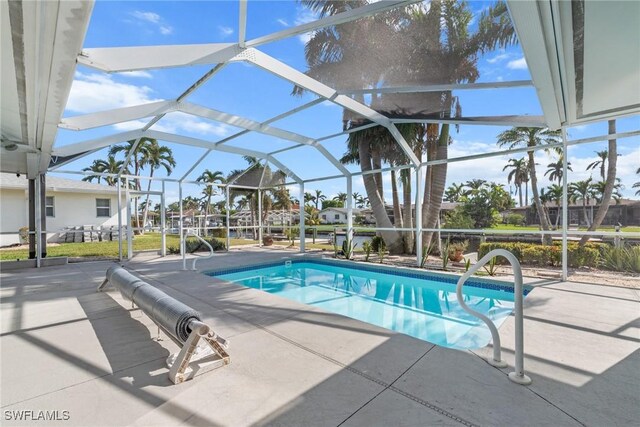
(366, 247)
(267, 240)
(348, 247)
(456, 250)
(23, 233)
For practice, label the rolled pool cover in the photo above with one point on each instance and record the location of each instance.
(174, 316)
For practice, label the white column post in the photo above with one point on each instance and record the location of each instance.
(228, 207)
(301, 205)
(119, 184)
(565, 210)
(350, 207)
(129, 223)
(163, 224)
(418, 210)
(259, 218)
(38, 215)
(181, 228)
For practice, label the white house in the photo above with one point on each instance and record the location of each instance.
(336, 215)
(69, 203)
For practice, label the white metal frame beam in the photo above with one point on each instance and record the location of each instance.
(328, 21)
(440, 87)
(286, 72)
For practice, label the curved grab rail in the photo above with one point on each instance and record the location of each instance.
(518, 376)
(197, 257)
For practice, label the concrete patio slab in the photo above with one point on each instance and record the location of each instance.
(67, 347)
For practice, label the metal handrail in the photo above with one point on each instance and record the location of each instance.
(518, 376)
(197, 257)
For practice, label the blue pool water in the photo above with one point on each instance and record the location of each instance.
(421, 305)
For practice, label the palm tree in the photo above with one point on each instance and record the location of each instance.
(555, 192)
(99, 166)
(637, 184)
(519, 174)
(555, 170)
(599, 189)
(136, 161)
(474, 185)
(308, 198)
(318, 198)
(610, 182)
(442, 50)
(156, 156)
(342, 198)
(582, 190)
(209, 178)
(531, 137)
(454, 193)
(600, 163)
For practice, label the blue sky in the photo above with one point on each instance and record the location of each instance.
(253, 93)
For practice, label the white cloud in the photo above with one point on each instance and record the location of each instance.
(517, 64)
(180, 123)
(225, 31)
(137, 74)
(282, 22)
(498, 58)
(304, 16)
(99, 92)
(153, 18)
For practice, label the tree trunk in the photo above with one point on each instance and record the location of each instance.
(558, 215)
(584, 212)
(520, 193)
(609, 184)
(146, 204)
(438, 181)
(546, 239)
(395, 197)
(526, 193)
(376, 160)
(407, 213)
(392, 239)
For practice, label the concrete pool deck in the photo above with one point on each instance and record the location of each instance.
(65, 347)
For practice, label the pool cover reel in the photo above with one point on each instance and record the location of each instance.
(178, 320)
(172, 315)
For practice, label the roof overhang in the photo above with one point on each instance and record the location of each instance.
(40, 44)
(583, 56)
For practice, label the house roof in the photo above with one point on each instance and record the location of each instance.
(621, 202)
(341, 210)
(54, 183)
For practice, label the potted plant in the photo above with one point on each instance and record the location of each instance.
(267, 240)
(456, 250)
(23, 233)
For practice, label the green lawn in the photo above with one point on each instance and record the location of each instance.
(148, 241)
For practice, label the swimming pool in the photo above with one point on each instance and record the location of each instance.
(422, 305)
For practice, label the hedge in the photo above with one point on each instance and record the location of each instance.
(195, 245)
(543, 255)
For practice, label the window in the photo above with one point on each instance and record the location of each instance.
(324, 217)
(336, 216)
(103, 207)
(49, 206)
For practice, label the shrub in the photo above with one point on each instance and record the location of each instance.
(542, 255)
(377, 244)
(218, 232)
(458, 219)
(194, 245)
(626, 258)
(514, 219)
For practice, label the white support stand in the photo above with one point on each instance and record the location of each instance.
(194, 359)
